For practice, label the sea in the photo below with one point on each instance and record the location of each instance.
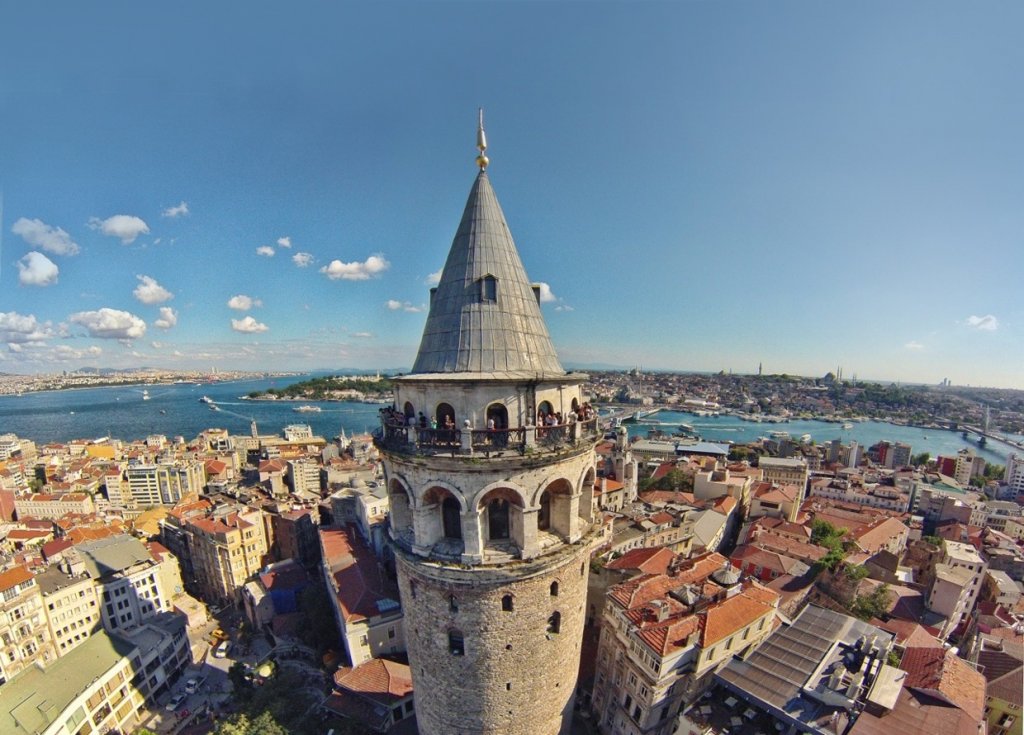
(722, 429)
(175, 410)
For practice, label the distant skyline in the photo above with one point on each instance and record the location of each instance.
(701, 186)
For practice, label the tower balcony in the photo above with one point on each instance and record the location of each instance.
(483, 443)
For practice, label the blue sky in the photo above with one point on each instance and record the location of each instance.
(702, 185)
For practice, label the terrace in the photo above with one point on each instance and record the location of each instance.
(469, 442)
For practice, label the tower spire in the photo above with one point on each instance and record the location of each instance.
(481, 143)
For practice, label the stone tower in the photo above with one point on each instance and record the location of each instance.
(491, 511)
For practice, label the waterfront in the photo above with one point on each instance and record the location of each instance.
(732, 429)
(172, 410)
(175, 410)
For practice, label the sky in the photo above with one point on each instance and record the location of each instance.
(701, 185)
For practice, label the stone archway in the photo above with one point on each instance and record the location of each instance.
(400, 515)
(440, 520)
(502, 518)
(557, 514)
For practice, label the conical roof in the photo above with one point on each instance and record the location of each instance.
(484, 316)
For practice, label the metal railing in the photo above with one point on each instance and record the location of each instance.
(415, 440)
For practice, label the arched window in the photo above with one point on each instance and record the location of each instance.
(545, 408)
(451, 517)
(497, 519)
(506, 603)
(544, 515)
(445, 416)
(453, 604)
(554, 589)
(555, 622)
(456, 645)
(412, 588)
(408, 410)
(488, 288)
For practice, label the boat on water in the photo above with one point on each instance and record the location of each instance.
(847, 426)
(206, 399)
(805, 438)
(779, 435)
(145, 395)
(214, 407)
(307, 409)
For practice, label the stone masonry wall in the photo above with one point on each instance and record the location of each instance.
(514, 677)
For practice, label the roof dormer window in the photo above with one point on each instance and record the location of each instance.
(488, 289)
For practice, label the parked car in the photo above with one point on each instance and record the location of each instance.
(222, 650)
(193, 685)
(176, 701)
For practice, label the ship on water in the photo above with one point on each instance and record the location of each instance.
(206, 399)
(307, 409)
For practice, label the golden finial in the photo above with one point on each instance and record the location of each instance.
(481, 143)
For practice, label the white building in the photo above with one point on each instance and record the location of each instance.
(1014, 475)
(163, 484)
(130, 578)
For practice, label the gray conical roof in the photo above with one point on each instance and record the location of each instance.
(466, 330)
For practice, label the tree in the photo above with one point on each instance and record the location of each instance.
(241, 724)
(320, 630)
(920, 459)
(874, 604)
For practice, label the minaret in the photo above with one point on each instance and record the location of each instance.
(492, 514)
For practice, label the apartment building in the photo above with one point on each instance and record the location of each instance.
(72, 605)
(663, 636)
(163, 484)
(786, 471)
(24, 633)
(90, 690)
(226, 550)
(128, 577)
(45, 505)
(365, 601)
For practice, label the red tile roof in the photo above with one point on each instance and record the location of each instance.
(359, 583)
(940, 673)
(381, 680)
(13, 577)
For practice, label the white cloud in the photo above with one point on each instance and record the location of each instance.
(546, 295)
(564, 307)
(356, 271)
(41, 235)
(179, 211)
(150, 292)
(434, 278)
(168, 318)
(302, 259)
(248, 325)
(395, 305)
(363, 335)
(914, 345)
(64, 353)
(35, 269)
(108, 323)
(241, 302)
(987, 323)
(285, 242)
(126, 227)
(265, 250)
(21, 328)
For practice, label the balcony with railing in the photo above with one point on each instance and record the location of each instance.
(469, 442)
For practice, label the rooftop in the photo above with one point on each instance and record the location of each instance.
(35, 698)
(484, 315)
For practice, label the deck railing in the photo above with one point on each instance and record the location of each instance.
(395, 437)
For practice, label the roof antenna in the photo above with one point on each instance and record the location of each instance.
(481, 144)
